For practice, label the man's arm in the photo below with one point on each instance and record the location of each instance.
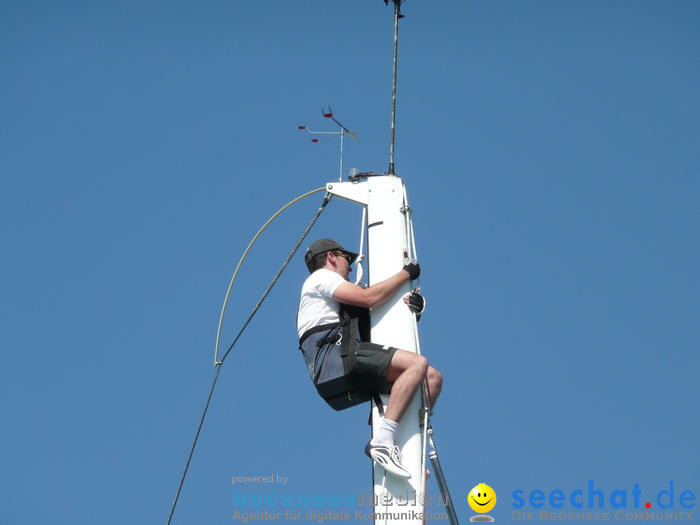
(375, 295)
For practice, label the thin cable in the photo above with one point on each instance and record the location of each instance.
(306, 231)
(194, 444)
(326, 199)
(240, 262)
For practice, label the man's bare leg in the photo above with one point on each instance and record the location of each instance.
(434, 385)
(407, 371)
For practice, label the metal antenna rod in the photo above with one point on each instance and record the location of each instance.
(397, 15)
(342, 137)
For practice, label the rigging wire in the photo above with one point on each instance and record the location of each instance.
(326, 199)
(218, 364)
(240, 262)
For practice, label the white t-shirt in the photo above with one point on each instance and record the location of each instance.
(317, 306)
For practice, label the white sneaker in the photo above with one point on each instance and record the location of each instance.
(388, 457)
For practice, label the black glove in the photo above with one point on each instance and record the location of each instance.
(413, 270)
(416, 303)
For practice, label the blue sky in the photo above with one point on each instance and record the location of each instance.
(550, 150)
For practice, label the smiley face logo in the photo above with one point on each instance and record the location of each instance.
(482, 498)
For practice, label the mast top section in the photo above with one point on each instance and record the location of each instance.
(392, 141)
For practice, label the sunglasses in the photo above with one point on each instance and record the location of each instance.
(344, 256)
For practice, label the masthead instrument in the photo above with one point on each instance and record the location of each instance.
(343, 131)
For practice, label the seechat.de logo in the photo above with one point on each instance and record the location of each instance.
(593, 502)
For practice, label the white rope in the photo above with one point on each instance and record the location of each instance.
(361, 257)
(408, 218)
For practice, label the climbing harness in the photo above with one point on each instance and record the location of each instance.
(330, 353)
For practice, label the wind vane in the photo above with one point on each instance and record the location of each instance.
(343, 131)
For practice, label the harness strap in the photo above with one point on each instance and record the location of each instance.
(316, 329)
(347, 334)
(354, 325)
(380, 406)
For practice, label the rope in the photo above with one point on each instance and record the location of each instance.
(240, 262)
(326, 199)
(194, 444)
(361, 255)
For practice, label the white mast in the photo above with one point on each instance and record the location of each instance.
(394, 324)
(397, 500)
(389, 242)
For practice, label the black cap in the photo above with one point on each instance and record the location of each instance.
(323, 246)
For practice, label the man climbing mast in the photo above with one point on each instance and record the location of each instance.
(346, 368)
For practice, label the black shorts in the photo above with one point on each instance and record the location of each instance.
(362, 370)
(371, 362)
